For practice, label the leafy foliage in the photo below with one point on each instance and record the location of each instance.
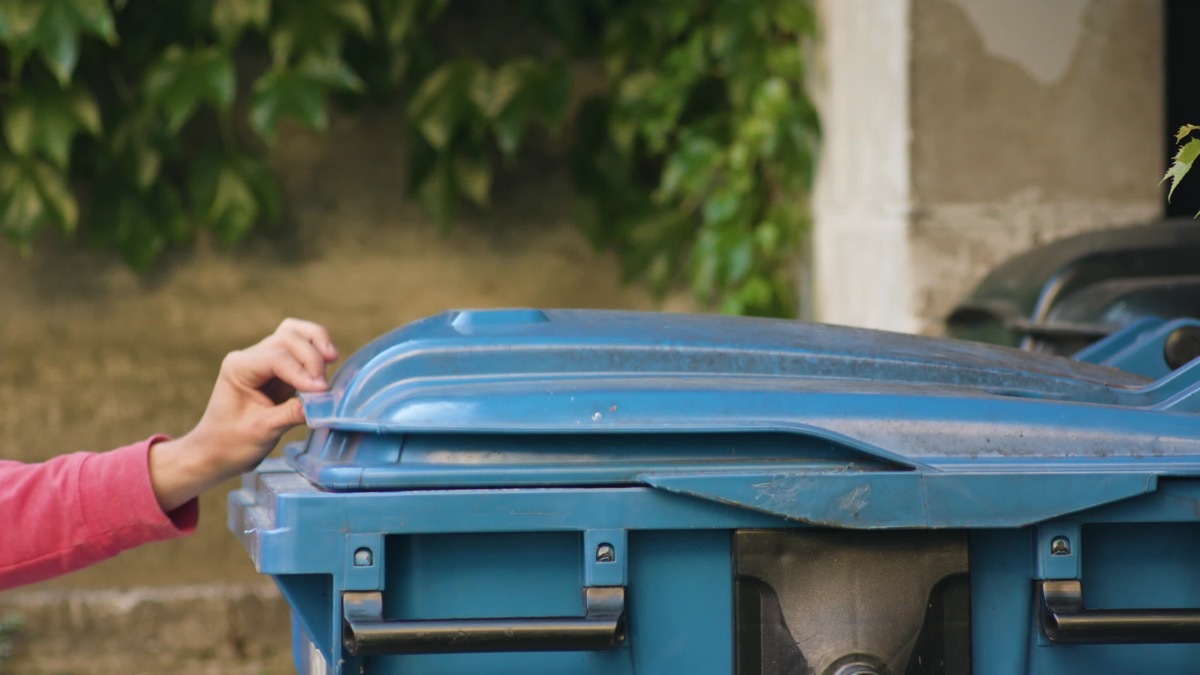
(690, 137)
(1189, 150)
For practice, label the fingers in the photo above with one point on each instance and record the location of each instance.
(256, 367)
(303, 352)
(314, 334)
(296, 353)
(290, 367)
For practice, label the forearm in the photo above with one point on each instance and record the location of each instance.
(181, 469)
(76, 510)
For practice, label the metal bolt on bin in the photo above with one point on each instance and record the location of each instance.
(605, 553)
(593, 492)
(1060, 546)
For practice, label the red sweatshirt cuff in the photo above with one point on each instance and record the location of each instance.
(119, 505)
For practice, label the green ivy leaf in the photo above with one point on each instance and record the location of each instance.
(1183, 163)
(46, 120)
(689, 170)
(705, 265)
(231, 17)
(755, 296)
(443, 101)
(258, 177)
(508, 129)
(138, 224)
(181, 80)
(493, 91)
(330, 73)
(17, 21)
(438, 193)
(655, 239)
(688, 61)
(204, 174)
(722, 206)
(397, 18)
(34, 194)
(797, 18)
(136, 147)
(56, 195)
(739, 258)
(550, 91)
(85, 111)
(21, 124)
(513, 94)
(298, 92)
(54, 28)
(317, 27)
(21, 211)
(1184, 131)
(768, 237)
(222, 197)
(234, 209)
(422, 159)
(473, 174)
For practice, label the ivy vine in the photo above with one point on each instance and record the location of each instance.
(143, 122)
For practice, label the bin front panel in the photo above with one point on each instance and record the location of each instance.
(679, 603)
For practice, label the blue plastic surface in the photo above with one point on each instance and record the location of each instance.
(819, 424)
(478, 459)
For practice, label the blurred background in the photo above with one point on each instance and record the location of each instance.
(177, 177)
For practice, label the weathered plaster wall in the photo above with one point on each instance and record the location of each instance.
(1030, 121)
(960, 132)
(92, 357)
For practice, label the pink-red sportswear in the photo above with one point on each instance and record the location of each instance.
(78, 509)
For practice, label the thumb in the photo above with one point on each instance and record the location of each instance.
(286, 415)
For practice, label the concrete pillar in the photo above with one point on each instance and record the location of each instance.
(861, 204)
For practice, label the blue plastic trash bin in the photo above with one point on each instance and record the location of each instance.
(594, 492)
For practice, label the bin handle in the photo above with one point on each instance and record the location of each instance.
(1065, 620)
(365, 633)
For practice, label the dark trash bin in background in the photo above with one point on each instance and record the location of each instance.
(591, 492)
(1066, 295)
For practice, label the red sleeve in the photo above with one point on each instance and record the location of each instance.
(76, 510)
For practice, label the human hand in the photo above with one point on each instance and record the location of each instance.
(252, 404)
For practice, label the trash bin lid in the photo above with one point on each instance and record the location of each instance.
(527, 396)
(1076, 288)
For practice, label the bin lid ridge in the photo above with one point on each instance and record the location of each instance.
(584, 343)
(589, 371)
